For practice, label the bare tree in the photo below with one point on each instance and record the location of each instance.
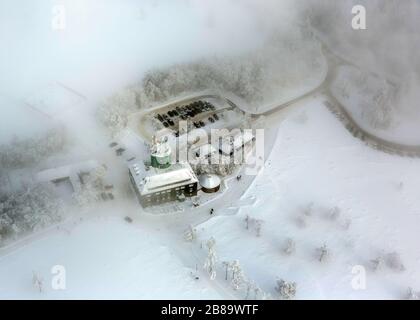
(226, 264)
(247, 222)
(29, 151)
(346, 224)
(377, 263)
(29, 210)
(308, 210)
(250, 285)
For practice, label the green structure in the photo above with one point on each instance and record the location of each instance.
(161, 154)
(160, 161)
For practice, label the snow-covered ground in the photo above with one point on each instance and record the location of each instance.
(104, 258)
(315, 160)
(297, 71)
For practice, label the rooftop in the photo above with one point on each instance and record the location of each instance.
(156, 180)
(209, 181)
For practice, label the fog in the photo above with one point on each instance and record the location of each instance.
(68, 89)
(109, 44)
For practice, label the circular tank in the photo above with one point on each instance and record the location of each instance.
(210, 183)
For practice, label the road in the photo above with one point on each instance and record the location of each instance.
(176, 223)
(333, 105)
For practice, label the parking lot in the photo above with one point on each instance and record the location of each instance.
(199, 112)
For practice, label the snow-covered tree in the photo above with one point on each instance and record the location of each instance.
(114, 112)
(393, 261)
(286, 290)
(237, 278)
(190, 234)
(258, 226)
(266, 296)
(29, 210)
(283, 63)
(412, 295)
(210, 262)
(289, 247)
(37, 282)
(377, 263)
(346, 224)
(301, 221)
(322, 253)
(334, 214)
(27, 152)
(86, 195)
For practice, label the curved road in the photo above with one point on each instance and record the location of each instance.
(343, 115)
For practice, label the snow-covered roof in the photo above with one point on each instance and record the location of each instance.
(209, 181)
(236, 141)
(167, 179)
(157, 180)
(70, 171)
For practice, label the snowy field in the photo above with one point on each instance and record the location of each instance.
(376, 193)
(320, 185)
(315, 160)
(104, 258)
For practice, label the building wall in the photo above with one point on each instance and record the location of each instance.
(133, 184)
(210, 190)
(189, 190)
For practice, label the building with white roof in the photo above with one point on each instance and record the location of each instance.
(162, 181)
(229, 144)
(155, 185)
